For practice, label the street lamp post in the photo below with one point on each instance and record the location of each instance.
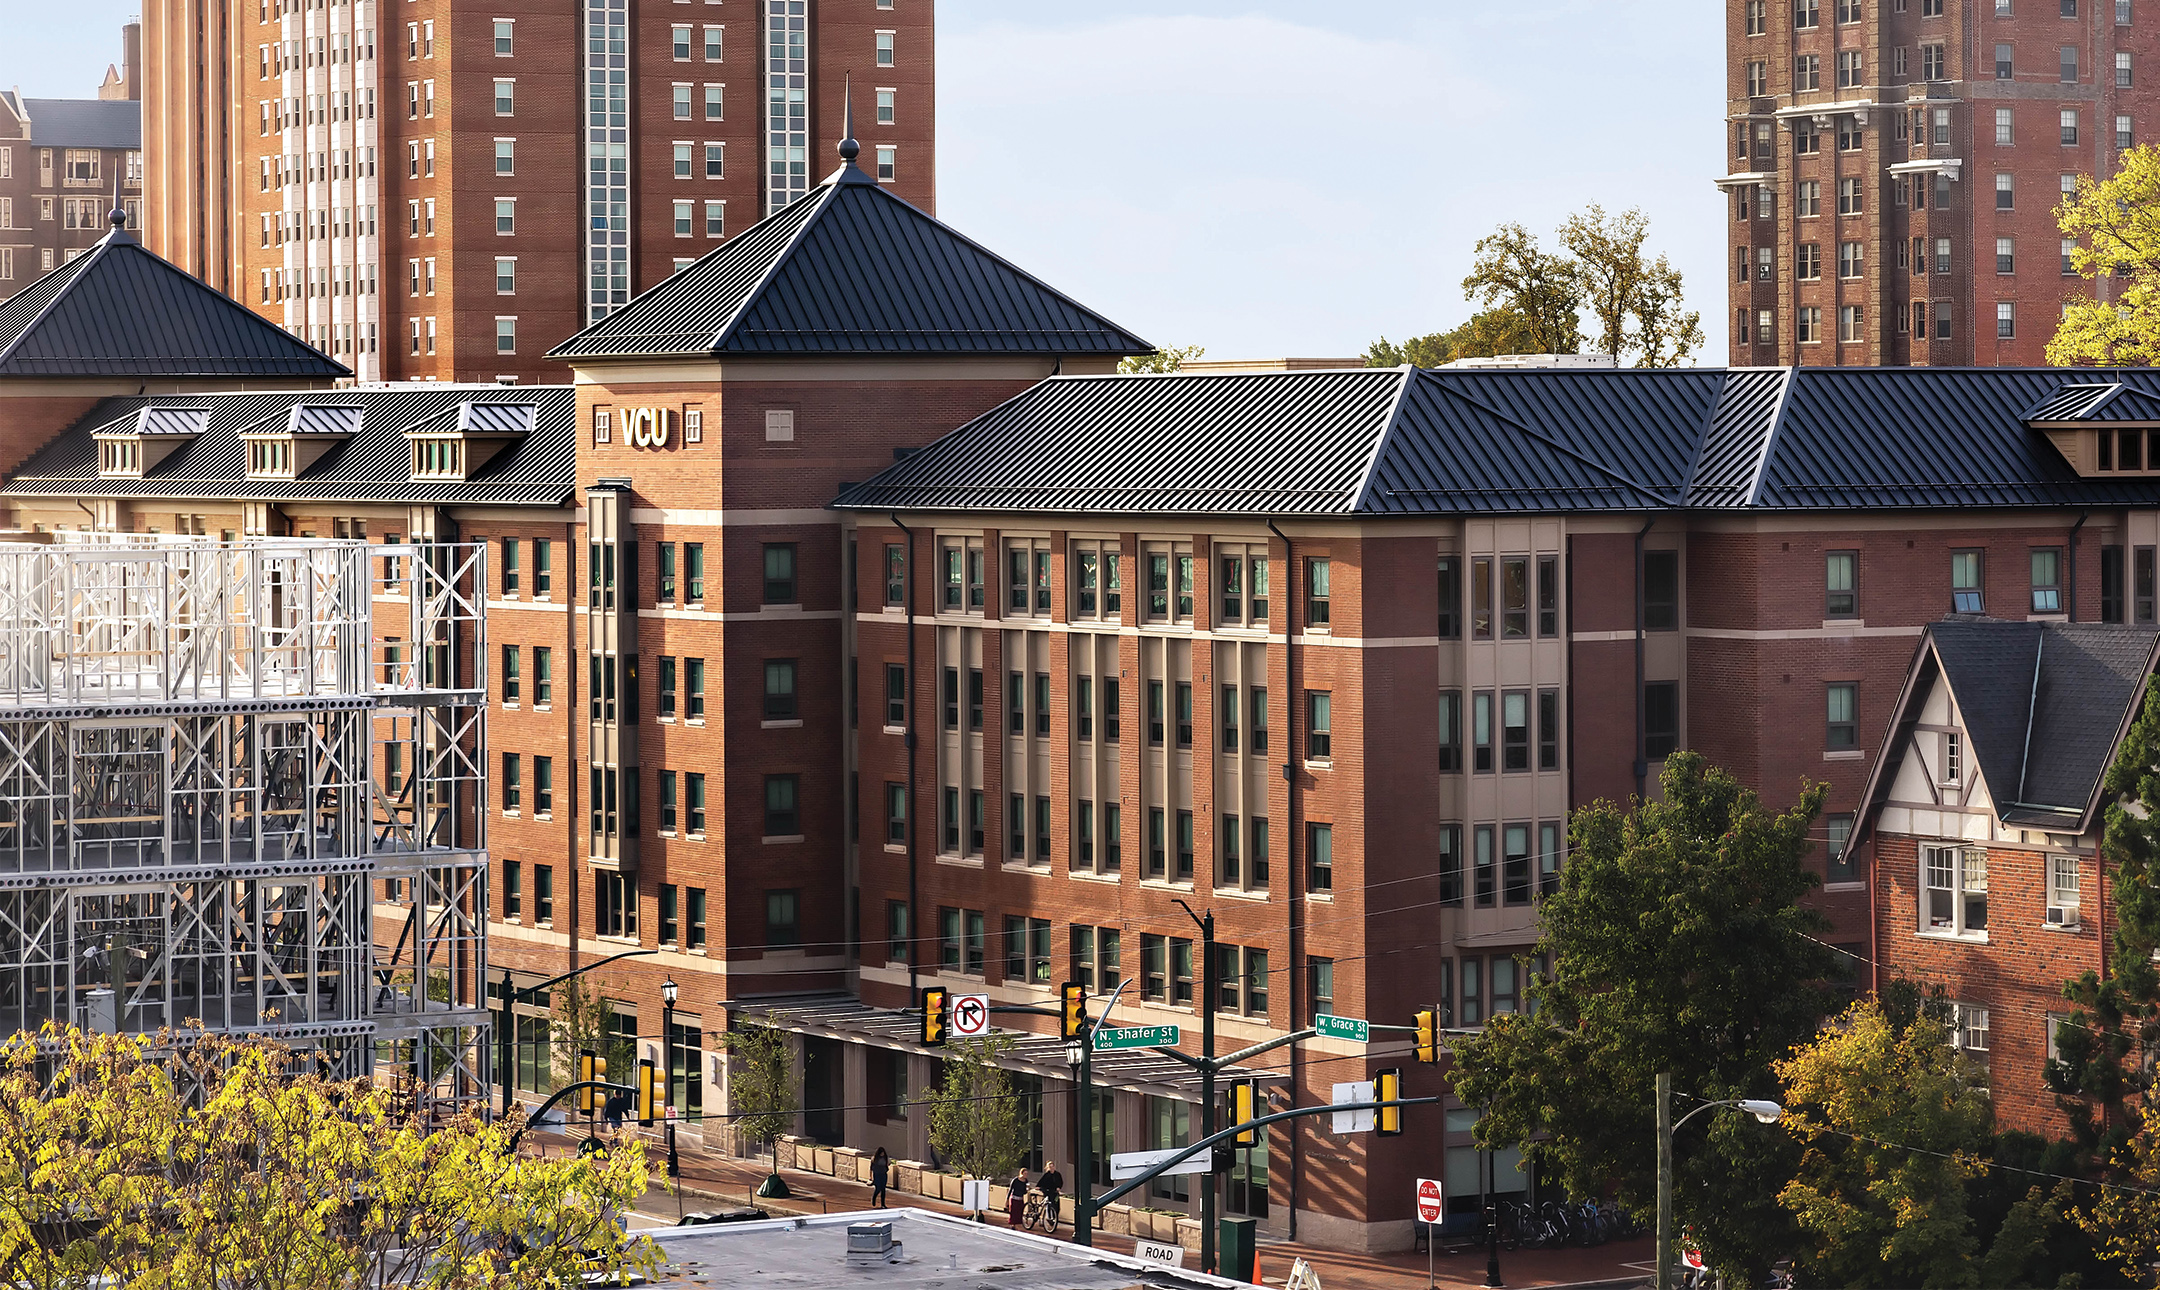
(1765, 1111)
(667, 1073)
(510, 995)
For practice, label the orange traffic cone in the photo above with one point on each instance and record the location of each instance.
(1257, 1279)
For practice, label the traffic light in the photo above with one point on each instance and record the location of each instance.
(933, 1016)
(587, 1072)
(645, 1098)
(1075, 1009)
(1428, 1037)
(1241, 1112)
(1387, 1087)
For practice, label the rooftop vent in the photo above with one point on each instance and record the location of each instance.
(870, 1242)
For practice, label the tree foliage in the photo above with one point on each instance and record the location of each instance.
(1678, 944)
(1488, 334)
(761, 1080)
(1543, 289)
(2116, 225)
(1167, 359)
(1635, 301)
(583, 1020)
(127, 1160)
(1894, 1188)
(977, 1121)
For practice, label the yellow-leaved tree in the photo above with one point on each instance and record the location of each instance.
(2115, 224)
(129, 1160)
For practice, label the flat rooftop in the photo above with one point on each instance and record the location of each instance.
(929, 1250)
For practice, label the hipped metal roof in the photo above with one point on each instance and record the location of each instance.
(2044, 705)
(1408, 441)
(81, 123)
(119, 311)
(374, 465)
(850, 269)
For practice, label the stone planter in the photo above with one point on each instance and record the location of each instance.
(851, 1163)
(1116, 1220)
(821, 1159)
(907, 1176)
(1188, 1233)
(1001, 1198)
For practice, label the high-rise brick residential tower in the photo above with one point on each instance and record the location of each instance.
(445, 189)
(1893, 168)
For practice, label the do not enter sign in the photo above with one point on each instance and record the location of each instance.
(971, 1016)
(1428, 1201)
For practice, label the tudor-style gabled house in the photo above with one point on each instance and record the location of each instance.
(1985, 811)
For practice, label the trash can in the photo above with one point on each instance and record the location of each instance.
(1234, 1251)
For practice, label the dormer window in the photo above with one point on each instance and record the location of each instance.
(120, 457)
(459, 441)
(288, 444)
(134, 446)
(270, 459)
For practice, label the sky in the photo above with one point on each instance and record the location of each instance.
(1265, 178)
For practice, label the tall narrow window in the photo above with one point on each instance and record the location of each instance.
(2047, 580)
(1661, 591)
(1481, 730)
(1841, 597)
(1965, 589)
(1318, 610)
(1319, 730)
(1481, 594)
(1843, 730)
(1515, 730)
(1450, 598)
(1548, 593)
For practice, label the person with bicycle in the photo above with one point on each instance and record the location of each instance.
(1050, 1183)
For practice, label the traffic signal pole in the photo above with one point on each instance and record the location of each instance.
(1209, 1143)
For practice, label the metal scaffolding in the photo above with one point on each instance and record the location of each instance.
(242, 789)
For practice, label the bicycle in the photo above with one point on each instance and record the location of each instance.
(1035, 1212)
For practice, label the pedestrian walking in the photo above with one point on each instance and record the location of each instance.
(880, 1169)
(1050, 1183)
(1016, 1199)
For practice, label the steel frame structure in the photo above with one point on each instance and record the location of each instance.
(242, 789)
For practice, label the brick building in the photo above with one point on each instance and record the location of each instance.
(405, 186)
(990, 718)
(1986, 817)
(1893, 168)
(65, 164)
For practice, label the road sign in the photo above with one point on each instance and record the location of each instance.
(1132, 1164)
(1135, 1037)
(1351, 1028)
(1428, 1201)
(974, 1194)
(971, 1015)
(1352, 1121)
(1160, 1253)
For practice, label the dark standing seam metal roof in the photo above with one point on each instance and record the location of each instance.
(375, 465)
(850, 269)
(2044, 704)
(1469, 441)
(85, 123)
(119, 311)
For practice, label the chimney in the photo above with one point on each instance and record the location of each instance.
(125, 80)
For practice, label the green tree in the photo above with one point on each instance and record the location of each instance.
(1635, 301)
(1678, 944)
(1544, 289)
(761, 1089)
(977, 1120)
(164, 1165)
(1487, 334)
(2116, 226)
(583, 1020)
(1168, 359)
(1898, 1132)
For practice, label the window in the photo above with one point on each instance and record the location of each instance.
(1156, 866)
(1319, 737)
(1244, 600)
(2124, 137)
(505, 216)
(1849, 324)
(1483, 886)
(1932, 63)
(1451, 758)
(543, 566)
(505, 98)
(2069, 64)
(1184, 711)
(885, 49)
(1808, 195)
(1317, 606)
(1843, 730)
(2005, 255)
(1661, 591)
(2062, 891)
(2069, 125)
(1840, 597)
(1953, 758)
(2047, 580)
(715, 106)
(1549, 857)
(1807, 13)
(1450, 865)
(1848, 197)
(694, 682)
(1320, 857)
(504, 32)
(1481, 731)
(1514, 597)
(1837, 849)
(1154, 968)
(1258, 710)
(1765, 264)
(513, 783)
(2005, 194)
(1241, 981)
(1320, 972)
(615, 898)
(1155, 713)
(1965, 591)
(1807, 324)
(1851, 260)
(1481, 592)
(1807, 261)
(2122, 70)
(1661, 719)
(685, 164)
(1515, 864)
(1473, 994)
(1848, 68)
(783, 927)
(505, 337)
(1942, 255)
(780, 574)
(2003, 68)
(713, 38)
(543, 676)
(1954, 891)
(670, 914)
(513, 890)
(780, 689)
(543, 787)
(1027, 951)
(1184, 870)
(1548, 729)
(543, 894)
(1515, 730)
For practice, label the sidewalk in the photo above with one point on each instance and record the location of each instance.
(713, 1182)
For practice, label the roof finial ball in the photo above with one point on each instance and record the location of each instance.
(849, 149)
(118, 218)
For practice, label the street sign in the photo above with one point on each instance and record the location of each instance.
(1428, 1201)
(974, 1194)
(1355, 1030)
(971, 1015)
(1160, 1253)
(1132, 1164)
(1135, 1037)
(1352, 1121)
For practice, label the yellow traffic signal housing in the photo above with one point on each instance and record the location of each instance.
(1387, 1087)
(933, 1015)
(1075, 1009)
(645, 1097)
(587, 1072)
(1241, 1112)
(1428, 1037)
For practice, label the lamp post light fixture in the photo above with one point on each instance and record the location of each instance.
(668, 990)
(1765, 1111)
